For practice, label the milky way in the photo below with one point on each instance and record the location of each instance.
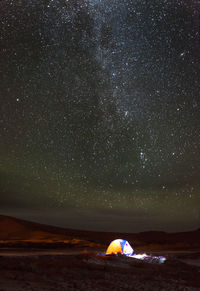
(100, 113)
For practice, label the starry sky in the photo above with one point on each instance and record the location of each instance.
(100, 113)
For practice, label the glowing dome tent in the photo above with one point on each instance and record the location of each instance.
(120, 246)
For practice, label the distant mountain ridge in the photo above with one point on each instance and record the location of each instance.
(16, 230)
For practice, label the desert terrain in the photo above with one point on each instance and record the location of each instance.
(41, 257)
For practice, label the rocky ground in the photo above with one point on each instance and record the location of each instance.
(88, 271)
(40, 257)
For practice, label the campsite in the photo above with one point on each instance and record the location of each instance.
(41, 257)
(99, 145)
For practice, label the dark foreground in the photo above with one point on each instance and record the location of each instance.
(88, 271)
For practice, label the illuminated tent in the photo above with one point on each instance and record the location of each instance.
(120, 246)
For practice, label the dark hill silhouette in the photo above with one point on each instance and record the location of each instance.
(14, 230)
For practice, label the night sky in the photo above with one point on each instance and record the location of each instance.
(100, 113)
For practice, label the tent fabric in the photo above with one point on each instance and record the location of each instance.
(120, 246)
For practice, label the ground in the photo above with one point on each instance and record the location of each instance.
(90, 271)
(36, 257)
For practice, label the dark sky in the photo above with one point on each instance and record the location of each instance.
(100, 113)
